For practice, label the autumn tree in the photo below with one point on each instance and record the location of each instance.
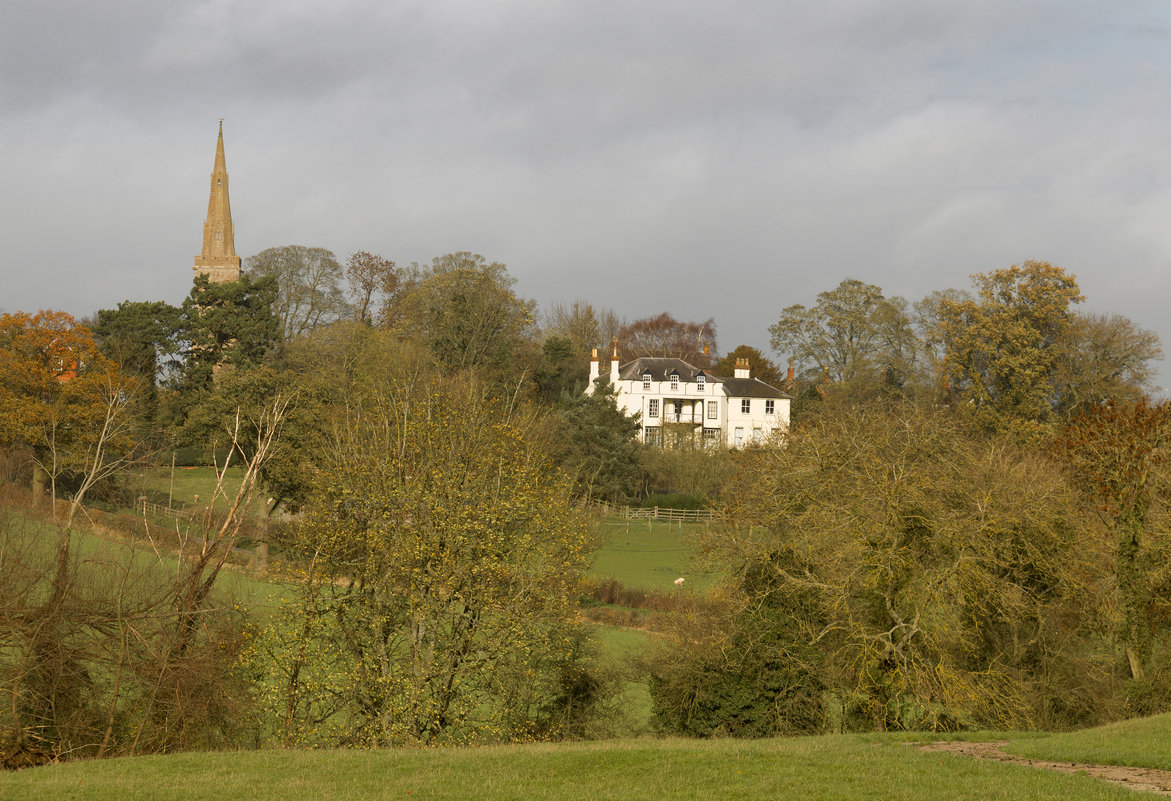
(663, 335)
(464, 310)
(1103, 357)
(1117, 453)
(309, 286)
(444, 551)
(372, 284)
(925, 576)
(1003, 347)
(586, 328)
(56, 392)
(853, 334)
(761, 366)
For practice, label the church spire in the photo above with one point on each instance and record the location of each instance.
(218, 261)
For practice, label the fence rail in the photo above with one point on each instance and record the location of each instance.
(660, 513)
(149, 508)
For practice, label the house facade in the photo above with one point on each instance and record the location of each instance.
(672, 395)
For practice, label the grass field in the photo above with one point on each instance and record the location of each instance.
(189, 482)
(856, 767)
(648, 555)
(1141, 742)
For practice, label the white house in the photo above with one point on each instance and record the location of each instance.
(734, 411)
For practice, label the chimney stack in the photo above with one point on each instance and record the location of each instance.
(614, 365)
(595, 370)
(742, 369)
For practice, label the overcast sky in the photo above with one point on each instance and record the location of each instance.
(709, 159)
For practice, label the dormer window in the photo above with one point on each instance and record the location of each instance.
(674, 382)
(646, 381)
(701, 382)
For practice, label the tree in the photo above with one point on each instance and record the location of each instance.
(933, 572)
(665, 336)
(598, 445)
(232, 323)
(853, 334)
(1117, 452)
(59, 396)
(1103, 357)
(373, 281)
(142, 338)
(761, 366)
(560, 371)
(445, 552)
(1003, 348)
(584, 327)
(462, 308)
(309, 292)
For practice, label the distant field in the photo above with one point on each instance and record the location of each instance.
(188, 482)
(1141, 742)
(837, 767)
(648, 555)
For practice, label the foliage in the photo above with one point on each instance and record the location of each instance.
(232, 323)
(463, 309)
(445, 552)
(686, 466)
(88, 665)
(597, 444)
(142, 338)
(665, 336)
(946, 567)
(60, 397)
(1003, 348)
(749, 671)
(308, 280)
(584, 327)
(560, 372)
(760, 365)
(1103, 358)
(853, 335)
(1117, 454)
(373, 281)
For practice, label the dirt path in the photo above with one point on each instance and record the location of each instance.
(1147, 780)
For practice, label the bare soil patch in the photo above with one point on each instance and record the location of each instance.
(1149, 780)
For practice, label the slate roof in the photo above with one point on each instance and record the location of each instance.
(661, 368)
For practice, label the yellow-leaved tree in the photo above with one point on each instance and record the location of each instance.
(441, 554)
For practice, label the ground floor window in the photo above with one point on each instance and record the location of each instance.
(738, 441)
(711, 434)
(653, 435)
(757, 436)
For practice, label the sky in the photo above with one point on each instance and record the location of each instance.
(720, 160)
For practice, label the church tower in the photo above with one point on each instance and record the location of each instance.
(218, 261)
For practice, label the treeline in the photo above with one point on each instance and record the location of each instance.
(964, 526)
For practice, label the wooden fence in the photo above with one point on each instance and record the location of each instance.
(149, 508)
(660, 513)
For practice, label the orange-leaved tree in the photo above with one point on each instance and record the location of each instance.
(62, 400)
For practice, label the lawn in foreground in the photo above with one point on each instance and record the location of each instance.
(812, 769)
(1140, 742)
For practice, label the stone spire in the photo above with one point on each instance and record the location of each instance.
(218, 261)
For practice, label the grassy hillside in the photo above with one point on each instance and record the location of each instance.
(1141, 742)
(814, 768)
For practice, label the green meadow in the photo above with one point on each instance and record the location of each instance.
(811, 768)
